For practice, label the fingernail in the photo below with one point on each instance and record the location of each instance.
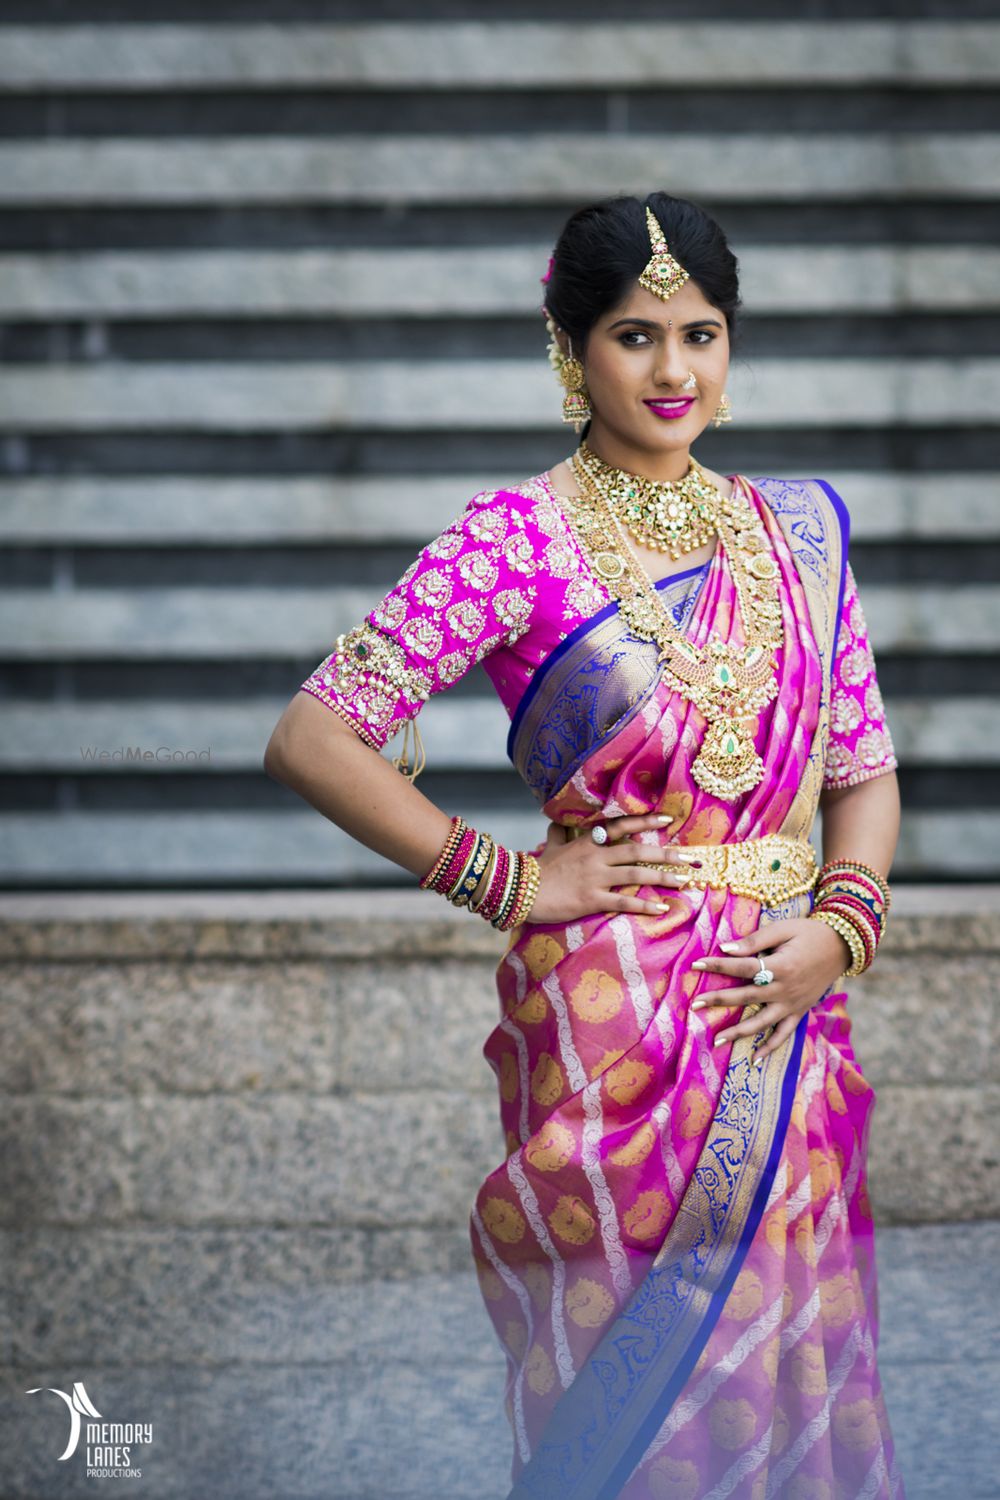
(719, 1041)
(699, 963)
(759, 1061)
(729, 947)
(664, 818)
(689, 859)
(698, 1004)
(662, 905)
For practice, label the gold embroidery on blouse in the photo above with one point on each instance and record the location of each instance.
(370, 671)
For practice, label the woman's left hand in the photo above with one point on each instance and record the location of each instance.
(805, 957)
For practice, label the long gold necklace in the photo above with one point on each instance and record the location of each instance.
(666, 515)
(727, 683)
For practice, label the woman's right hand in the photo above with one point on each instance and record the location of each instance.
(579, 878)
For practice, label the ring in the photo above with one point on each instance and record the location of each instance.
(599, 834)
(763, 974)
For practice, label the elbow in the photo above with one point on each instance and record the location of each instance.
(279, 753)
(273, 759)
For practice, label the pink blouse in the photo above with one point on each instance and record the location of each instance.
(503, 584)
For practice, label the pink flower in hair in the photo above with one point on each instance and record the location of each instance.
(548, 271)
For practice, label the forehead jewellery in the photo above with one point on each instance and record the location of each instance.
(663, 275)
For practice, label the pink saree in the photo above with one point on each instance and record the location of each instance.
(678, 1252)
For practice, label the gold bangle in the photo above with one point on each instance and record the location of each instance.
(849, 934)
(479, 894)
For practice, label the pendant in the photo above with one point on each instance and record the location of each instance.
(727, 765)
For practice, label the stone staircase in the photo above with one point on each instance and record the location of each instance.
(269, 285)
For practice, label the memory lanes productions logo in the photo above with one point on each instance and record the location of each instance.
(108, 1444)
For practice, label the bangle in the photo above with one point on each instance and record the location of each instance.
(473, 870)
(850, 935)
(450, 845)
(849, 867)
(472, 874)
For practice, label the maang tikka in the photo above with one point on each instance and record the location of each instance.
(663, 275)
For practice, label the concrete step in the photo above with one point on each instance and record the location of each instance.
(203, 623)
(474, 281)
(458, 733)
(198, 847)
(628, 55)
(254, 510)
(543, 168)
(520, 395)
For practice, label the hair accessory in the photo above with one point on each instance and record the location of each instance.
(662, 274)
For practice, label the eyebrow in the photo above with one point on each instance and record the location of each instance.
(646, 323)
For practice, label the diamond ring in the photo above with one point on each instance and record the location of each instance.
(599, 834)
(763, 974)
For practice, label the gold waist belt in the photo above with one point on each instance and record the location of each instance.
(770, 869)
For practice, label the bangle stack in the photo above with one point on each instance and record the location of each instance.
(473, 870)
(854, 900)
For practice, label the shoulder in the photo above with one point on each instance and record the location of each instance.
(523, 505)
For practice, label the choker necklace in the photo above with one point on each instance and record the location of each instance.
(666, 515)
(728, 683)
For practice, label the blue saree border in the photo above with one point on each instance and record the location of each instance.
(572, 1460)
(577, 634)
(552, 753)
(844, 517)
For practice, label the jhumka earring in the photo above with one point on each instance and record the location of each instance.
(576, 402)
(723, 412)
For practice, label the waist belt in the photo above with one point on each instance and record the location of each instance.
(769, 869)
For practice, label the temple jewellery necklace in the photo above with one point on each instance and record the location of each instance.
(727, 683)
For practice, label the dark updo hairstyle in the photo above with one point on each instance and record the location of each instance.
(603, 248)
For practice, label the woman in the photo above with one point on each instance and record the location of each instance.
(677, 1253)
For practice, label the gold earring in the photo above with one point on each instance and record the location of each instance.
(723, 412)
(576, 401)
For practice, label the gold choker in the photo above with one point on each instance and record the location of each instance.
(666, 515)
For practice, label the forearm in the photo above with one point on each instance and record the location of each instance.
(318, 755)
(862, 822)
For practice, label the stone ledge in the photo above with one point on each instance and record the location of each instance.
(265, 925)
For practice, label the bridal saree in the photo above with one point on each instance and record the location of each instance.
(677, 1253)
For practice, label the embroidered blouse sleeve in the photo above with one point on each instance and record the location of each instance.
(860, 746)
(468, 592)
